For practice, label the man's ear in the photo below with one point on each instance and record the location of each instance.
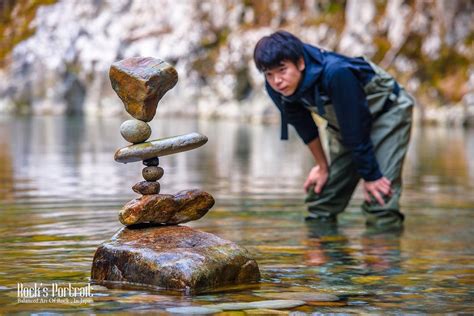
(300, 64)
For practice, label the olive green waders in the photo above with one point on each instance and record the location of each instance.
(390, 135)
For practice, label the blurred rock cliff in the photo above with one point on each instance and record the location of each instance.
(55, 55)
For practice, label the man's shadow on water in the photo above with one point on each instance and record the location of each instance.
(375, 252)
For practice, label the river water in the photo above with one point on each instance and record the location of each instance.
(61, 190)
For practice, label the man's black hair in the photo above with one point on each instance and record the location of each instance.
(271, 50)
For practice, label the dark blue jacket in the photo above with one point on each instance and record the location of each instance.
(339, 80)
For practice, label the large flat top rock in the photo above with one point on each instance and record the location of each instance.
(172, 257)
(160, 147)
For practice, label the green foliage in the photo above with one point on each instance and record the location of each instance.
(332, 14)
(209, 52)
(447, 73)
(383, 45)
(334, 7)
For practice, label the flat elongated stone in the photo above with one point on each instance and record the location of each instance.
(173, 257)
(185, 206)
(160, 147)
(141, 82)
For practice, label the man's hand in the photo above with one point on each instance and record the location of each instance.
(377, 189)
(318, 177)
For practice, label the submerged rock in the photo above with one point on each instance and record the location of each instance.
(192, 310)
(276, 304)
(303, 296)
(160, 147)
(272, 304)
(185, 206)
(141, 82)
(268, 312)
(172, 257)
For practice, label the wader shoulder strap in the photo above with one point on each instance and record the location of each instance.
(390, 100)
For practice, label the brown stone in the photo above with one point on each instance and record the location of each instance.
(141, 82)
(185, 206)
(172, 257)
(152, 173)
(155, 161)
(146, 188)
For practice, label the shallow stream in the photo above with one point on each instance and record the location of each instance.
(61, 190)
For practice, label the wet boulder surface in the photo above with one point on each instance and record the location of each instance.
(172, 257)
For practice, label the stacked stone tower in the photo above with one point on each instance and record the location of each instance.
(141, 83)
(153, 249)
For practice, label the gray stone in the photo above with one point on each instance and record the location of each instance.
(271, 304)
(160, 147)
(135, 131)
(141, 82)
(277, 304)
(237, 306)
(172, 257)
(152, 173)
(192, 310)
(268, 312)
(185, 206)
(146, 188)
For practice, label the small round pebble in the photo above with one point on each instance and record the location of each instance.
(135, 131)
(151, 162)
(152, 173)
(146, 188)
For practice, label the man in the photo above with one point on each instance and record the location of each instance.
(369, 120)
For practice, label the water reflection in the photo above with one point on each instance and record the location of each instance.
(60, 192)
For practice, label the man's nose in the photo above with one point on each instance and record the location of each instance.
(278, 79)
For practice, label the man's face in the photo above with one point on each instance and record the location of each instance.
(285, 78)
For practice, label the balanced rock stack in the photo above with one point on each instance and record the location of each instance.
(153, 249)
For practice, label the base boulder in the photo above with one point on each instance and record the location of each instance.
(172, 257)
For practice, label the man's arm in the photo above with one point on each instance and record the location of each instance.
(318, 175)
(301, 119)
